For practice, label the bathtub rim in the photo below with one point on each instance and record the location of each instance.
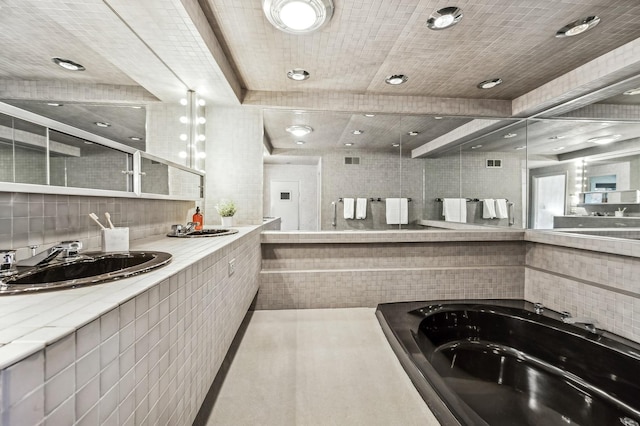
(432, 389)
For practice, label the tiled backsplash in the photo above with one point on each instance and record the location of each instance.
(42, 219)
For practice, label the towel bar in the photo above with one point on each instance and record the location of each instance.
(373, 199)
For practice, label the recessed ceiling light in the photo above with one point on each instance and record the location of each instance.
(297, 74)
(437, 118)
(53, 104)
(135, 138)
(358, 132)
(102, 124)
(489, 84)
(396, 79)
(369, 115)
(297, 130)
(413, 133)
(136, 107)
(299, 142)
(476, 147)
(578, 27)
(298, 16)
(68, 65)
(444, 18)
(560, 148)
(510, 135)
(603, 140)
(632, 92)
(348, 144)
(519, 148)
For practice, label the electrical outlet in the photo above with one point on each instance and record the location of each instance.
(232, 266)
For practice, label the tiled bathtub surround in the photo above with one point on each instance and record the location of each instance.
(41, 219)
(588, 276)
(152, 358)
(334, 275)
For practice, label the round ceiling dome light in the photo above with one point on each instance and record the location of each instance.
(68, 65)
(396, 79)
(603, 140)
(298, 131)
(297, 74)
(444, 18)
(298, 16)
(578, 27)
(489, 84)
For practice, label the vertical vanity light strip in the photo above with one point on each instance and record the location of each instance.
(192, 123)
(48, 158)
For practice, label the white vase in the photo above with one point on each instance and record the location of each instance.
(227, 221)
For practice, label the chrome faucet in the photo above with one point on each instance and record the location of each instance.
(586, 323)
(7, 262)
(68, 249)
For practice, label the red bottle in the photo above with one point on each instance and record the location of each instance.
(198, 219)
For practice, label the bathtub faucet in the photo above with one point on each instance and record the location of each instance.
(588, 323)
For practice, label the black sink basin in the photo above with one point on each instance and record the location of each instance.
(205, 233)
(91, 268)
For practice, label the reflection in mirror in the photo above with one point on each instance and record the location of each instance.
(123, 123)
(584, 173)
(80, 163)
(162, 178)
(23, 151)
(481, 182)
(347, 156)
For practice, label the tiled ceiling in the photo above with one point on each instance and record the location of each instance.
(366, 41)
(225, 47)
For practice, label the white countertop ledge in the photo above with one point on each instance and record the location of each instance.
(29, 322)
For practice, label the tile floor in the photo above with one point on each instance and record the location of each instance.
(317, 367)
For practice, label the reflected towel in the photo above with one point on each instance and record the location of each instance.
(397, 210)
(361, 208)
(501, 209)
(454, 209)
(349, 205)
(489, 208)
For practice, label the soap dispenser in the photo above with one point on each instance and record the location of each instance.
(198, 219)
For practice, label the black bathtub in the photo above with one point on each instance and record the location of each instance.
(497, 362)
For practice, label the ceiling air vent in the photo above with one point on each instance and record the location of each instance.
(494, 164)
(351, 160)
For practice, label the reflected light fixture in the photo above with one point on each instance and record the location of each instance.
(510, 135)
(632, 92)
(298, 16)
(297, 130)
(578, 27)
(396, 79)
(102, 124)
(298, 74)
(54, 104)
(299, 142)
(476, 147)
(395, 145)
(489, 84)
(603, 140)
(444, 18)
(358, 132)
(68, 65)
(135, 138)
(413, 133)
(348, 144)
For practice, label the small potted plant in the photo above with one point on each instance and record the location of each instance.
(226, 209)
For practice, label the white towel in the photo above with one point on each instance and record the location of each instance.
(361, 208)
(397, 211)
(501, 209)
(348, 207)
(489, 208)
(454, 209)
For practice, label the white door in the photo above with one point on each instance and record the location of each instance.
(285, 198)
(549, 200)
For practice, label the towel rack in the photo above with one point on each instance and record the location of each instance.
(340, 200)
(469, 200)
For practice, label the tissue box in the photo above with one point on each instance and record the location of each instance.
(116, 239)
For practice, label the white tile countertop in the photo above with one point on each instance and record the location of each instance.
(29, 322)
